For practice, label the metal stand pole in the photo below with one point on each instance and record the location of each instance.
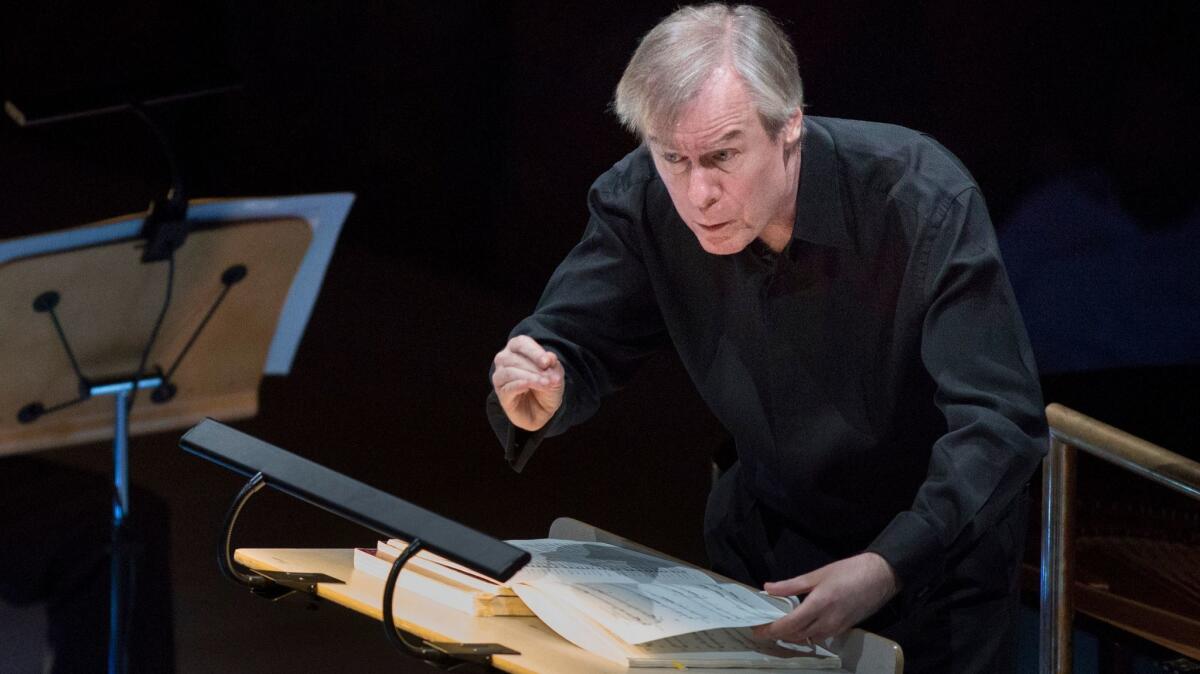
(119, 571)
(1058, 557)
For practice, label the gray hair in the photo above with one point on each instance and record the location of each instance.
(677, 56)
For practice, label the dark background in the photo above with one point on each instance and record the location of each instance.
(470, 133)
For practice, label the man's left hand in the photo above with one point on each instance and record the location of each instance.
(840, 595)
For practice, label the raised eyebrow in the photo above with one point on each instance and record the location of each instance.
(660, 146)
(732, 135)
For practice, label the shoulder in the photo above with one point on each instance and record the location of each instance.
(629, 175)
(631, 190)
(901, 163)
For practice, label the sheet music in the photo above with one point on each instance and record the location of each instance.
(729, 642)
(563, 561)
(637, 597)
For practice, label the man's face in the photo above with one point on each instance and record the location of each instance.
(729, 181)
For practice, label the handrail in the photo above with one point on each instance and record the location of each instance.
(1070, 431)
(1127, 451)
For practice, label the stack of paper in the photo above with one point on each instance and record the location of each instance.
(644, 611)
(629, 607)
(441, 580)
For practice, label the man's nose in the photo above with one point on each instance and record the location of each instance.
(703, 188)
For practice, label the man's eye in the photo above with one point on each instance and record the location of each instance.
(671, 158)
(724, 155)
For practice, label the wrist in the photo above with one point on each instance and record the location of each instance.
(889, 580)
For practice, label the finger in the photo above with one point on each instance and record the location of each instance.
(798, 585)
(519, 358)
(821, 630)
(552, 377)
(512, 395)
(795, 625)
(503, 378)
(539, 381)
(512, 389)
(507, 358)
(828, 626)
(527, 347)
(507, 382)
(790, 627)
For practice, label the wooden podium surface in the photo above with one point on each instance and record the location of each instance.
(541, 649)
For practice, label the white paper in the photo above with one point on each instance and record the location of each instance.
(564, 561)
(733, 647)
(716, 648)
(573, 626)
(637, 597)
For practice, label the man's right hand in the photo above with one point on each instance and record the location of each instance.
(528, 381)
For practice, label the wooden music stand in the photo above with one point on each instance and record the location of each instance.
(80, 308)
(108, 306)
(539, 650)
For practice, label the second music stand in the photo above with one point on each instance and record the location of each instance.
(89, 324)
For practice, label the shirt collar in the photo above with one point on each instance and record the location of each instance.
(820, 218)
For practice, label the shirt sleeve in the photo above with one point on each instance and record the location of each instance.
(975, 348)
(597, 313)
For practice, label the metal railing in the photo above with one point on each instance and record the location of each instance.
(1071, 431)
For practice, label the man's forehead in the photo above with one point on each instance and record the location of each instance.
(733, 133)
(721, 111)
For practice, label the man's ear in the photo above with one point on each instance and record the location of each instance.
(793, 127)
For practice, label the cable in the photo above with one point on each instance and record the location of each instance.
(122, 532)
(175, 191)
(154, 332)
(225, 561)
(394, 635)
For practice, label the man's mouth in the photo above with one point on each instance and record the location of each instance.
(713, 227)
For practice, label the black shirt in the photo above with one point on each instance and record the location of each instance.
(875, 375)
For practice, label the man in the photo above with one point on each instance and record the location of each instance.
(834, 291)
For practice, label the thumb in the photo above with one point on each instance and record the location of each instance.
(798, 585)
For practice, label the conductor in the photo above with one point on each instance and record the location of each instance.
(834, 290)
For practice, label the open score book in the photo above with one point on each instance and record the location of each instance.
(629, 607)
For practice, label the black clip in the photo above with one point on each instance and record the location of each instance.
(285, 582)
